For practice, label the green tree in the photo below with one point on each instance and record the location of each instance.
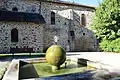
(106, 22)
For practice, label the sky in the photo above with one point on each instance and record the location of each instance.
(86, 2)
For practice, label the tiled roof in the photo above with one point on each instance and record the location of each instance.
(70, 3)
(21, 17)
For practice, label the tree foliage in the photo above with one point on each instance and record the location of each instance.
(106, 22)
(111, 46)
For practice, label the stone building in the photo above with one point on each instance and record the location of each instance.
(31, 25)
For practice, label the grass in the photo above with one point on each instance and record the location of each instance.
(23, 54)
(44, 69)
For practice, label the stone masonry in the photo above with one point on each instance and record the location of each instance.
(40, 36)
(68, 18)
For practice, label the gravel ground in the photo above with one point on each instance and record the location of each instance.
(3, 66)
(105, 75)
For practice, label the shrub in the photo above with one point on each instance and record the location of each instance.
(110, 45)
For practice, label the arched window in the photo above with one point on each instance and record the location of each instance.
(52, 17)
(83, 20)
(14, 9)
(14, 35)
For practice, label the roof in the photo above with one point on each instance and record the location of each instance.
(70, 3)
(21, 17)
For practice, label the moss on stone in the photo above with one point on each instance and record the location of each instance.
(55, 55)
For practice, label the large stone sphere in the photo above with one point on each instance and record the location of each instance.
(55, 55)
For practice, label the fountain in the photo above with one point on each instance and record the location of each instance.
(55, 56)
(54, 66)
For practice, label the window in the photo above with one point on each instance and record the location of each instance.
(14, 9)
(52, 18)
(71, 33)
(83, 20)
(14, 35)
(33, 8)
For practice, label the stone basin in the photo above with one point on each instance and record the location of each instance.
(37, 69)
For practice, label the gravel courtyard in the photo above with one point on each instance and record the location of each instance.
(3, 67)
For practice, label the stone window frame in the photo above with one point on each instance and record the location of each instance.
(53, 18)
(14, 35)
(83, 19)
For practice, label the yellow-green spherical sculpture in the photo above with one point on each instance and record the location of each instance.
(55, 56)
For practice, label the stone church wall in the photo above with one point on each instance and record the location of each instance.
(21, 5)
(29, 36)
(40, 37)
(68, 18)
(60, 28)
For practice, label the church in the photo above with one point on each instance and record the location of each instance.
(35, 25)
